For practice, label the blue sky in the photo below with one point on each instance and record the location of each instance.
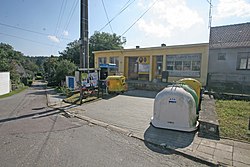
(42, 28)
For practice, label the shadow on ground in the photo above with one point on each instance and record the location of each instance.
(167, 138)
(141, 93)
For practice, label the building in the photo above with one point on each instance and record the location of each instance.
(148, 64)
(5, 84)
(229, 58)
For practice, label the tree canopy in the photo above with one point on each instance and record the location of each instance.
(97, 42)
(19, 65)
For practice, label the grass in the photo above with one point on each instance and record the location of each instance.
(14, 92)
(75, 99)
(233, 119)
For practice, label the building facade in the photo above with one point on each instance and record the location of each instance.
(5, 84)
(229, 58)
(181, 61)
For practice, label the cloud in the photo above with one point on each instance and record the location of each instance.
(230, 8)
(53, 38)
(167, 17)
(65, 33)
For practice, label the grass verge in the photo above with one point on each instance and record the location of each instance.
(234, 118)
(14, 92)
(75, 99)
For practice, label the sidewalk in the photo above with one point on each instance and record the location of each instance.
(130, 113)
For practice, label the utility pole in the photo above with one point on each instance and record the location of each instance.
(84, 46)
(210, 14)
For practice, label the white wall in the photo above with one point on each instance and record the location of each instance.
(4, 82)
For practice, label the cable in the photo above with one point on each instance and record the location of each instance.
(139, 17)
(72, 11)
(25, 39)
(57, 30)
(107, 16)
(59, 17)
(122, 10)
(32, 31)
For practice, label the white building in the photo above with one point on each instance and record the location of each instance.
(4, 82)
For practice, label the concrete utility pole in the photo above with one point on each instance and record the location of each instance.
(84, 46)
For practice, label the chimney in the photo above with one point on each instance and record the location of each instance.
(137, 47)
(163, 45)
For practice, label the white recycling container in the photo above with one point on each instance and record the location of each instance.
(175, 108)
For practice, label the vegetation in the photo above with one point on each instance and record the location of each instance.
(98, 41)
(14, 92)
(21, 68)
(24, 69)
(57, 69)
(234, 118)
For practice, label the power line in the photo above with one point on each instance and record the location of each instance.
(139, 18)
(59, 17)
(125, 6)
(28, 30)
(25, 39)
(107, 16)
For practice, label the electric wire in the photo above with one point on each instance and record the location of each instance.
(140, 17)
(30, 40)
(28, 30)
(107, 17)
(59, 17)
(125, 6)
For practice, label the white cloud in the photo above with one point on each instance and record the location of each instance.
(53, 38)
(167, 17)
(65, 33)
(230, 8)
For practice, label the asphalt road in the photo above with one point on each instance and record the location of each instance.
(32, 134)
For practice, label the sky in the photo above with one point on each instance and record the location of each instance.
(45, 27)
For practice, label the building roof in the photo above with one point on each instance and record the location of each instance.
(230, 36)
(154, 48)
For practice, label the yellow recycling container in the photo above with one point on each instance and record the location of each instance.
(194, 84)
(116, 84)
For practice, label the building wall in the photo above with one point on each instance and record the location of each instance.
(225, 75)
(227, 66)
(4, 82)
(165, 51)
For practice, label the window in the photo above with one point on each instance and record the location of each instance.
(159, 65)
(184, 65)
(243, 61)
(114, 60)
(102, 60)
(221, 56)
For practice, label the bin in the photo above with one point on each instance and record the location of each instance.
(116, 84)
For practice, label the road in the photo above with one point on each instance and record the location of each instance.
(33, 134)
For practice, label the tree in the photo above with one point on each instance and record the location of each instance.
(72, 52)
(97, 42)
(64, 68)
(56, 70)
(104, 41)
(20, 66)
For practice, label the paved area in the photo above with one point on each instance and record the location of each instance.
(131, 113)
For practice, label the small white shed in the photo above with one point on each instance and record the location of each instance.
(175, 108)
(5, 82)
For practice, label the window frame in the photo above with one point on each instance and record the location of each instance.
(240, 57)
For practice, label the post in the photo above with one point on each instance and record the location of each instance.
(84, 41)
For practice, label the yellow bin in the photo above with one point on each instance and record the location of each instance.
(116, 84)
(194, 84)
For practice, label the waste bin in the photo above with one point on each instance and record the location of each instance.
(175, 108)
(164, 76)
(116, 84)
